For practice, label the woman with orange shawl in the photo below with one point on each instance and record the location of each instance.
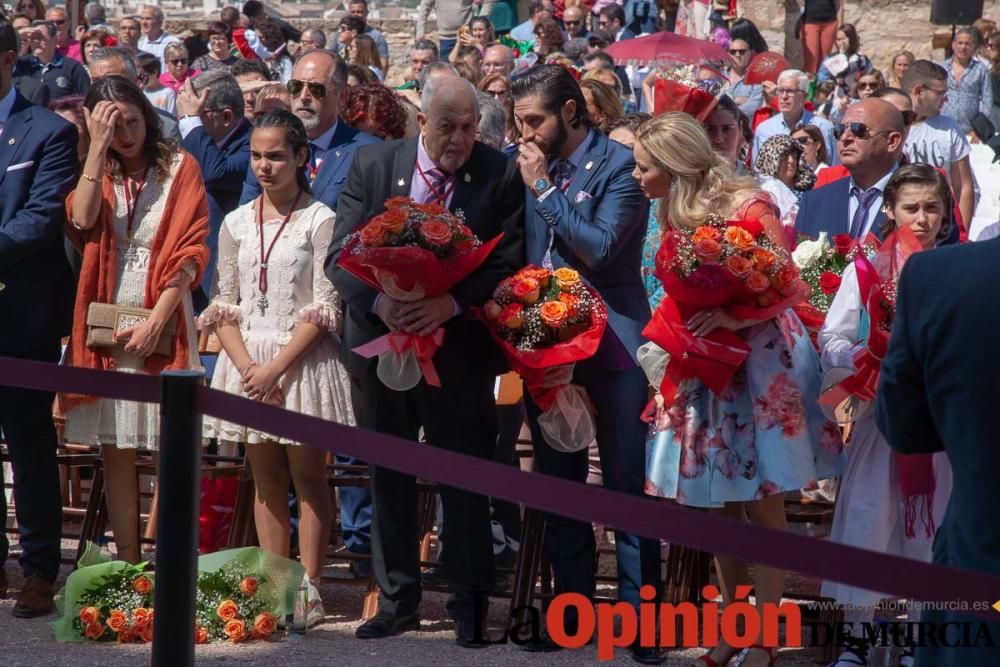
(140, 217)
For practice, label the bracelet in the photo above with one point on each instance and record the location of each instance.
(90, 178)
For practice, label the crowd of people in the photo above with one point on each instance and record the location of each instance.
(207, 186)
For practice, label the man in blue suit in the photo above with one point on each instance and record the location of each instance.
(38, 166)
(317, 87)
(938, 393)
(870, 143)
(215, 132)
(585, 211)
(318, 84)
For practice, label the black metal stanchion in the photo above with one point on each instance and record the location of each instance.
(177, 523)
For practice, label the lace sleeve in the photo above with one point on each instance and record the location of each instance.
(325, 308)
(226, 285)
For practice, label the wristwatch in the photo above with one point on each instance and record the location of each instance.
(541, 185)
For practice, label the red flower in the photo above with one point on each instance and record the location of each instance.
(829, 282)
(842, 243)
(708, 251)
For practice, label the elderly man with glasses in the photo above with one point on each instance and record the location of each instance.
(65, 44)
(791, 94)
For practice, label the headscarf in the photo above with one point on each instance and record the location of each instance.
(771, 154)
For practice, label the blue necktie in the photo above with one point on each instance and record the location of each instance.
(865, 199)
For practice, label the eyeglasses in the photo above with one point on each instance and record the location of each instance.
(737, 52)
(179, 61)
(804, 141)
(868, 85)
(58, 21)
(938, 91)
(858, 130)
(317, 90)
(788, 92)
(498, 94)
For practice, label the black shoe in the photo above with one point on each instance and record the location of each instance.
(435, 576)
(361, 568)
(3, 583)
(384, 624)
(465, 635)
(543, 645)
(647, 655)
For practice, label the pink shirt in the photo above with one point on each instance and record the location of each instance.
(419, 188)
(71, 50)
(173, 84)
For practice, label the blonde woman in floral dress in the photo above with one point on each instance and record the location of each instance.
(276, 315)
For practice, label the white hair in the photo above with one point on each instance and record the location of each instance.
(428, 91)
(798, 75)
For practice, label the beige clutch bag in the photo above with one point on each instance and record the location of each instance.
(105, 319)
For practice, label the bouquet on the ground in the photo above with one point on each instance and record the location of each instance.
(411, 252)
(545, 321)
(242, 593)
(727, 264)
(821, 265)
(104, 601)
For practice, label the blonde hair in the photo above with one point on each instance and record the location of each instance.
(703, 182)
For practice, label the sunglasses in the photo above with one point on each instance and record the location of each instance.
(179, 61)
(737, 52)
(317, 90)
(858, 130)
(804, 141)
(868, 85)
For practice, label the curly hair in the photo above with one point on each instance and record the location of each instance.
(379, 106)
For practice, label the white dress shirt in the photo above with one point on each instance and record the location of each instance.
(874, 208)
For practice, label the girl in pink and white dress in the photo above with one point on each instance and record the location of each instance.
(870, 511)
(276, 315)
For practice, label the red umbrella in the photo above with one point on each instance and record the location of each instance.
(666, 47)
(766, 66)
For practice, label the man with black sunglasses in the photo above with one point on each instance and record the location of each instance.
(870, 142)
(747, 96)
(575, 22)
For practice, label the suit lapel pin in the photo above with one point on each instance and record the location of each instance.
(337, 153)
(400, 183)
(11, 142)
(588, 166)
(468, 177)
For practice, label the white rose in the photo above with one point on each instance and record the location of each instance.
(808, 253)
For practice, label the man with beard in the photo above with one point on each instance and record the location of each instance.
(445, 166)
(318, 87)
(586, 212)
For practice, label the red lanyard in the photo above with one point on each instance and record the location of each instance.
(264, 257)
(131, 205)
(442, 201)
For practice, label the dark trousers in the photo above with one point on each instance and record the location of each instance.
(620, 396)
(26, 422)
(460, 417)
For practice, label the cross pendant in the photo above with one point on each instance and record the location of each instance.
(262, 304)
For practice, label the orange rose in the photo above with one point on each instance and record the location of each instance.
(264, 625)
(788, 277)
(512, 316)
(373, 234)
(140, 617)
(554, 313)
(393, 221)
(571, 301)
(492, 309)
(757, 281)
(567, 278)
(739, 238)
(142, 585)
(397, 202)
(763, 260)
(147, 634)
(526, 290)
(705, 232)
(739, 266)
(117, 621)
(248, 586)
(430, 209)
(708, 251)
(93, 631)
(90, 615)
(436, 233)
(235, 631)
(227, 610)
(200, 635)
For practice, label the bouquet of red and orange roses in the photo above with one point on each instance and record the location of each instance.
(732, 265)
(545, 321)
(411, 252)
(115, 604)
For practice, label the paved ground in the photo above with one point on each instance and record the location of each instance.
(30, 642)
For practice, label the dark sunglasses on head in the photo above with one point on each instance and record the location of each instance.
(317, 90)
(858, 130)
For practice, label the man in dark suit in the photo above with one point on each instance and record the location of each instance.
(318, 87)
(938, 393)
(585, 211)
(870, 143)
(38, 165)
(444, 165)
(612, 18)
(215, 132)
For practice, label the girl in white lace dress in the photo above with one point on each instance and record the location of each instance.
(277, 325)
(143, 246)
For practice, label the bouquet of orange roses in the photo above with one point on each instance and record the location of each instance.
(115, 604)
(545, 321)
(410, 252)
(728, 264)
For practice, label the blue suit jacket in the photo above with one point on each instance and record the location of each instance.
(38, 168)
(332, 173)
(223, 168)
(599, 225)
(938, 392)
